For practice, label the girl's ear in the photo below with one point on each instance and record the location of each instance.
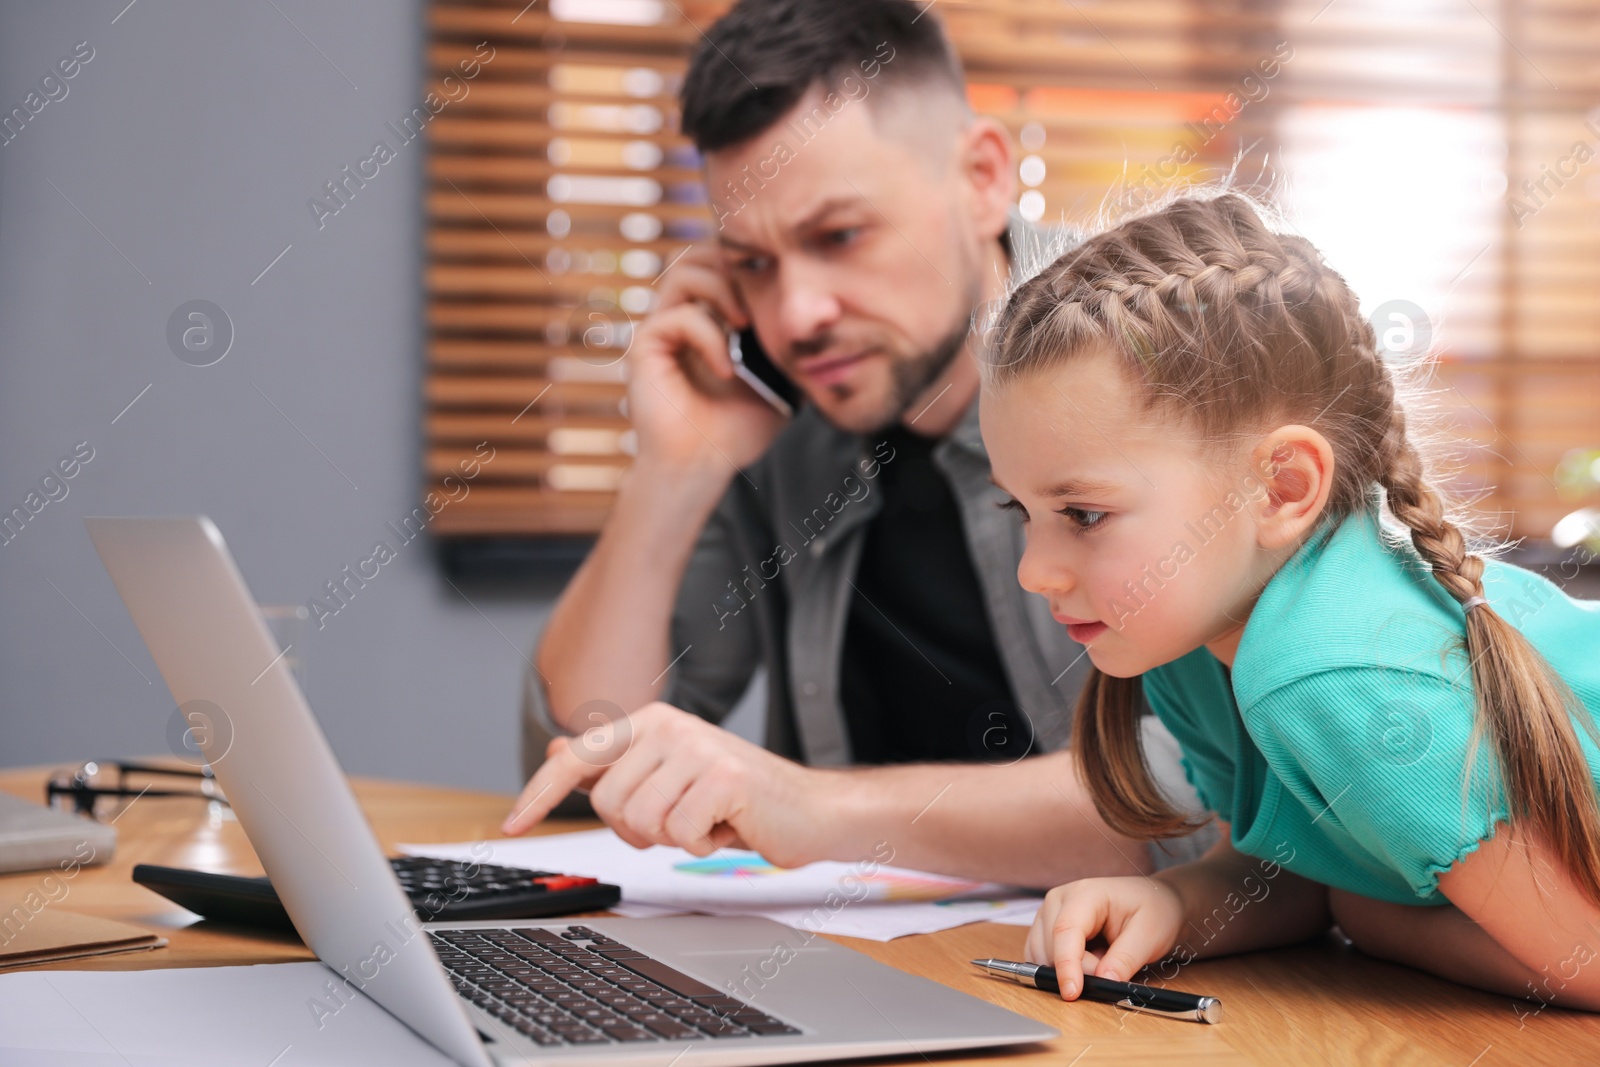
(1295, 464)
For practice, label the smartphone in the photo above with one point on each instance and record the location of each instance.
(752, 364)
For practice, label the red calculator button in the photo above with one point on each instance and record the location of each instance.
(565, 881)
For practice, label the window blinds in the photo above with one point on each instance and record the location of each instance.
(1442, 154)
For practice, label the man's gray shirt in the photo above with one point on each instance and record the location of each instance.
(770, 584)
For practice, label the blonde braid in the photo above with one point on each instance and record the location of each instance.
(1414, 501)
(1519, 701)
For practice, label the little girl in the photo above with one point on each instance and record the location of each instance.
(1225, 505)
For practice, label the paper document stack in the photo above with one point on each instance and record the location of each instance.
(867, 899)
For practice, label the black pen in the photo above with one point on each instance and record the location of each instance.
(1164, 1002)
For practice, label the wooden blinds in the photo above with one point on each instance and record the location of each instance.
(1438, 152)
(1545, 394)
(557, 193)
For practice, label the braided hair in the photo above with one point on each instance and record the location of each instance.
(1240, 328)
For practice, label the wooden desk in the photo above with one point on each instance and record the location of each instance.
(1318, 1004)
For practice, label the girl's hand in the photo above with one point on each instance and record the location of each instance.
(1139, 917)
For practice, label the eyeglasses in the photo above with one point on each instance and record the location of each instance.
(100, 788)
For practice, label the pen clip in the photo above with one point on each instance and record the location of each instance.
(1208, 1011)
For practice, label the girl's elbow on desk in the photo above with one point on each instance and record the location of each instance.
(1515, 925)
(1518, 891)
(1447, 943)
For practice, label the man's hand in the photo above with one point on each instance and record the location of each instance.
(697, 426)
(684, 401)
(675, 779)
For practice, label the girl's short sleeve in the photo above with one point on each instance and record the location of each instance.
(1381, 755)
(1188, 696)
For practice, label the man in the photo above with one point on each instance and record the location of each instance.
(854, 551)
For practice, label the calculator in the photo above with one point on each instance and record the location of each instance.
(440, 891)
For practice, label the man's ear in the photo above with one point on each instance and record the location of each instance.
(1295, 466)
(989, 174)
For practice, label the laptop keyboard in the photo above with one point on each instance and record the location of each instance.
(577, 987)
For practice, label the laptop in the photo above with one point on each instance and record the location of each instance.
(681, 991)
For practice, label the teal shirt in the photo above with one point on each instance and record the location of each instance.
(1340, 749)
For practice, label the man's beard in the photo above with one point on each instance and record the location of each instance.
(910, 378)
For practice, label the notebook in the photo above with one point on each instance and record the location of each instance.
(34, 930)
(32, 837)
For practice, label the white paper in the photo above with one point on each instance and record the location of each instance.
(865, 900)
(254, 1016)
(1021, 915)
(884, 922)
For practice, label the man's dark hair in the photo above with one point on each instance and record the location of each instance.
(760, 58)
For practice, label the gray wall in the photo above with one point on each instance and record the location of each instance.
(188, 147)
